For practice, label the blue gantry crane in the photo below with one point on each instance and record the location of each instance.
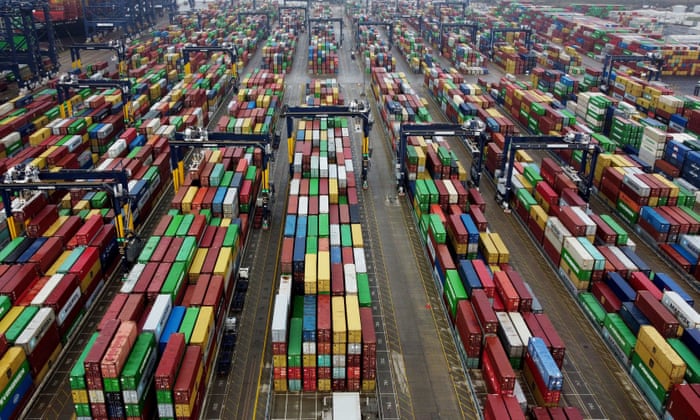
(655, 58)
(200, 138)
(354, 109)
(22, 50)
(131, 16)
(327, 20)
(572, 141)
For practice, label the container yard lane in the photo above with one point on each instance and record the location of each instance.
(593, 379)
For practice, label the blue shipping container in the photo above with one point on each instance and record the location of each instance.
(632, 317)
(620, 287)
(470, 279)
(172, 326)
(664, 282)
(548, 369)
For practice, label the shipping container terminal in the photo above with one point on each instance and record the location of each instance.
(325, 199)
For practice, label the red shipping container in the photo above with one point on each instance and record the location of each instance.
(337, 280)
(683, 402)
(610, 257)
(164, 222)
(485, 277)
(44, 349)
(198, 226)
(478, 218)
(538, 384)
(88, 230)
(157, 281)
(93, 376)
(113, 310)
(606, 297)
(571, 198)
(199, 290)
(508, 295)
(25, 299)
(665, 323)
(523, 293)
(42, 221)
(170, 362)
(133, 307)
(64, 298)
(323, 320)
(557, 349)
(21, 279)
(640, 281)
(549, 196)
(173, 249)
(549, 169)
(495, 408)
(572, 222)
(498, 373)
(539, 413)
(68, 229)
(484, 312)
(468, 329)
(87, 267)
(142, 284)
(208, 237)
(115, 357)
(604, 233)
(215, 295)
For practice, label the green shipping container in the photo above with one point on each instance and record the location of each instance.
(692, 371)
(650, 386)
(231, 237)
(188, 321)
(5, 305)
(454, 291)
(620, 333)
(526, 199)
(627, 213)
(298, 307)
(207, 215)
(592, 307)
(313, 187)
(433, 191)
(437, 229)
(164, 396)
(311, 245)
(100, 200)
(140, 365)
(532, 175)
(312, 226)
(187, 250)
(148, 249)
(20, 323)
(583, 275)
(364, 295)
(10, 248)
(251, 173)
(173, 282)
(111, 384)
(323, 225)
(294, 345)
(77, 374)
(345, 235)
(82, 410)
(174, 225)
(185, 225)
(226, 179)
(622, 235)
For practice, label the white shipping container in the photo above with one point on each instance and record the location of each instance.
(687, 315)
(96, 396)
(166, 410)
(45, 291)
(298, 157)
(69, 306)
(332, 171)
(303, 206)
(636, 185)
(349, 167)
(73, 143)
(578, 254)
(690, 243)
(308, 347)
(132, 278)
(230, 203)
(509, 336)
(323, 167)
(104, 165)
(590, 224)
(342, 177)
(451, 191)
(158, 317)
(279, 320)
(521, 327)
(285, 289)
(117, 148)
(354, 348)
(6, 108)
(294, 185)
(624, 259)
(323, 206)
(338, 360)
(359, 258)
(350, 279)
(555, 232)
(335, 234)
(35, 330)
(315, 164)
(346, 405)
(105, 130)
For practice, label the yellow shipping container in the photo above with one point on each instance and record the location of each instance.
(333, 191)
(203, 332)
(279, 360)
(224, 265)
(310, 274)
(539, 215)
(357, 241)
(523, 156)
(503, 253)
(368, 385)
(225, 222)
(324, 385)
(39, 136)
(352, 311)
(323, 284)
(663, 354)
(525, 183)
(196, 266)
(488, 248)
(55, 266)
(571, 276)
(10, 363)
(308, 360)
(338, 319)
(188, 198)
(79, 396)
(651, 362)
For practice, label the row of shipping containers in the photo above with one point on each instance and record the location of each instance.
(497, 321)
(323, 335)
(596, 260)
(53, 273)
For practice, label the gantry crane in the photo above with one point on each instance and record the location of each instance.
(25, 178)
(472, 135)
(495, 31)
(386, 25)
(227, 49)
(656, 60)
(321, 20)
(201, 138)
(22, 42)
(66, 83)
(571, 141)
(472, 26)
(118, 46)
(355, 109)
(306, 13)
